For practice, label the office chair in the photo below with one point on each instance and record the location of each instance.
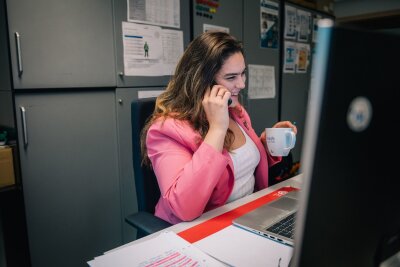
(283, 170)
(147, 189)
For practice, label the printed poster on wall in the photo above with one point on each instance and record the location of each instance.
(290, 22)
(290, 56)
(303, 52)
(304, 22)
(269, 18)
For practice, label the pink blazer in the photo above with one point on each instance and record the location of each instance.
(193, 177)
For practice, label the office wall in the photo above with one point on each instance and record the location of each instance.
(295, 85)
(263, 111)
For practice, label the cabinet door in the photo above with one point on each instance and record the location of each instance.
(5, 81)
(58, 44)
(68, 151)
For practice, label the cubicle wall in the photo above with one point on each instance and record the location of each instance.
(295, 85)
(263, 110)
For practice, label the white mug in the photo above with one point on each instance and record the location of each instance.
(280, 140)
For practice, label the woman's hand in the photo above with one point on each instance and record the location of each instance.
(263, 138)
(215, 104)
(285, 124)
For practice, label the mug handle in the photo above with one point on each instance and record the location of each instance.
(292, 139)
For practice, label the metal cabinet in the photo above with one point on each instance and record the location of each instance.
(61, 44)
(5, 82)
(69, 163)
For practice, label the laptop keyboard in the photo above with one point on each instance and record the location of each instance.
(284, 227)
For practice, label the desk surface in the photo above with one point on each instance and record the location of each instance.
(221, 244)
(295, 181)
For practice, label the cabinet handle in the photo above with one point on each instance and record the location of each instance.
(24, 131)
(19, 58)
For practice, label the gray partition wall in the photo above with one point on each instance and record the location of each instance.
(263, 112)
(295, 88)
(227, 13)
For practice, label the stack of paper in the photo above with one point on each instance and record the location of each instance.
(167, 249)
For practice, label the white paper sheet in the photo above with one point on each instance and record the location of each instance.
(210, 27)
(148, 94)
(172, 42)
(261, 81)
(157, 12)
(167, 249)
(238, 247)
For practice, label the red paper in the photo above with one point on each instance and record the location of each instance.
(218, 223)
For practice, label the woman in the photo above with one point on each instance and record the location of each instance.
(203, 152)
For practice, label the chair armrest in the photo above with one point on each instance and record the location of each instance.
(146, 222)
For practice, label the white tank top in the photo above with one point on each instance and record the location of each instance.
(245, 160)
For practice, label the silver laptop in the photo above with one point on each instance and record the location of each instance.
(274, 220)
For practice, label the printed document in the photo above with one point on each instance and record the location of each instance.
(167, 249)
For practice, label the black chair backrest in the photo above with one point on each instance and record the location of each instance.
(147, 190)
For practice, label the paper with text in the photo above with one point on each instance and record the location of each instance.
(167, 249)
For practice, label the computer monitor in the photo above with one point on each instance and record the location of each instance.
(350, 202)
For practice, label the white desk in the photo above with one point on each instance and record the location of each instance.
(293, 182)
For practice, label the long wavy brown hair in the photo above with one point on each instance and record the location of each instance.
(194, 74)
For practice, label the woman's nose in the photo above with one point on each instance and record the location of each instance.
(241, 82)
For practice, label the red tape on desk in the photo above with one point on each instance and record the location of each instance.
(218, 223)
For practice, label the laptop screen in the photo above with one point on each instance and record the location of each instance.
(350, 202)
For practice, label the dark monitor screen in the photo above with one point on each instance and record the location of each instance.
(350, 203)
